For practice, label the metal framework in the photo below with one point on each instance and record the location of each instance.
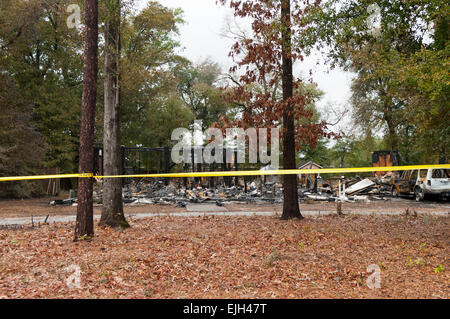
(137, 160)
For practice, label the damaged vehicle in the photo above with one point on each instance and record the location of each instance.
(421, 183)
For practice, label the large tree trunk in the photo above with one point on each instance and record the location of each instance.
(389, 119)
(291, 207)
(112, 212)
(84, 228)
(393, 140)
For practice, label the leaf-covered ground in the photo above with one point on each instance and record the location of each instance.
(231, 257)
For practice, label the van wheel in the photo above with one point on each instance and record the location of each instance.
(418, 192)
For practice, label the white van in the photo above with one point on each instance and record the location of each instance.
(422, 182)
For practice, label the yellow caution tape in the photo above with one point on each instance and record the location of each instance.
(286, 171)
(59, 176)
(240, 173)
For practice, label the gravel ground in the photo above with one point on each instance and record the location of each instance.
(39, 207)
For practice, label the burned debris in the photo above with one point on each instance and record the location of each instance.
(220, 190)
(179, 192)
(147, 191)
(351, 189)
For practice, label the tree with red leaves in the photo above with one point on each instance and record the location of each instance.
(267, 58)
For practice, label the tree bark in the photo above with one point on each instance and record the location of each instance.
(393, 141)
(112, 212)
(84, 227)
(291, 207)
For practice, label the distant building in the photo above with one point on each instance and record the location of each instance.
(385, 158)
(308, 180)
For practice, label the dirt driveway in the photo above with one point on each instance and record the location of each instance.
(40, 207)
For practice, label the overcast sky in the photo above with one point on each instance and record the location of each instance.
(201, 38)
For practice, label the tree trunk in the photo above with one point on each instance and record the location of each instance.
(84, 228)
(393, 141)
(388, 117)
(291, 207)
(443, 157)
(112, 212)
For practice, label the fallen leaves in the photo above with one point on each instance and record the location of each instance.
(230, 257)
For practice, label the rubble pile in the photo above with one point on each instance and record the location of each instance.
(151, 191)
(157, 192)
(355, 189)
